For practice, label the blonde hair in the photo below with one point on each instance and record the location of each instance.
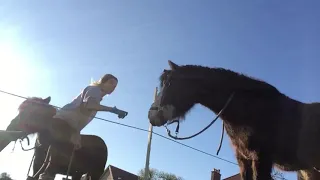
(103, 79)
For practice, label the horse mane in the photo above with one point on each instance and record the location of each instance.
(28, 101)
(239, 79)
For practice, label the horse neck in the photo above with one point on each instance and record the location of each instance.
(13, 123)
(211, 96)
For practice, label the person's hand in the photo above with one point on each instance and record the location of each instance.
(76, 140)
(121, 114)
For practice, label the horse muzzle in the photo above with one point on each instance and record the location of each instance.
(156, 117)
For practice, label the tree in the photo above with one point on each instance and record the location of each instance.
(5, 176)
(155, 174)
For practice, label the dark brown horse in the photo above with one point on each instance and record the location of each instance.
(36, 116)
(266, 127)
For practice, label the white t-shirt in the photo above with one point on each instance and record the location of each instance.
(71, 111)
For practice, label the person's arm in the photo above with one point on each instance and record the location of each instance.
(93, 104)
(92, 98)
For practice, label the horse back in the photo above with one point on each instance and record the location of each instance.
(93, 141)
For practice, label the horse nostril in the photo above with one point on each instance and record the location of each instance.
(154, 108)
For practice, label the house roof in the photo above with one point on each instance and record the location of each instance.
(119, 174)
(234, 177)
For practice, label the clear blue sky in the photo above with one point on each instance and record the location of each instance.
(60, 45)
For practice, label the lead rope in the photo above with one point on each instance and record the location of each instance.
(221, 139)
(212, 122)
(20, 141)
(34, 154)
(70, 161)
(74, 147)
(36, 146)
(44, 162)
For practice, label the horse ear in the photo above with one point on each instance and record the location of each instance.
(173, 65)
(47, 100)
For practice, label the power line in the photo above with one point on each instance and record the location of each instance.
(141, 129)
(145, 130)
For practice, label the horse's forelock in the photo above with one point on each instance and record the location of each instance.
(29, 101)
(163, 77)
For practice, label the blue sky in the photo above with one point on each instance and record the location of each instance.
(54, 48)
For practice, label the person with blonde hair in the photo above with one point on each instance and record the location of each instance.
(82, 109)
(79, 113)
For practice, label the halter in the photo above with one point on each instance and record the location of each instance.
(160, 108)
(212, 122)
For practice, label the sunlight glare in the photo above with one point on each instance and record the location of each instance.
(15, 76)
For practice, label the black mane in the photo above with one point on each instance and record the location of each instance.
(30, 100)
(239, 80)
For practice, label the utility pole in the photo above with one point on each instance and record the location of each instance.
(146, 169)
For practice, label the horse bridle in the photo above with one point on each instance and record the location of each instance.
(166, 84)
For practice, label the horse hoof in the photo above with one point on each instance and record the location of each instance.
(85, 177)
(45, 177)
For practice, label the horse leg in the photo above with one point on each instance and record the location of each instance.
(51, 170)
(246, 172)
(97, 171)
(99, 159)
(39, 162)
(262, 167)
(77, 176)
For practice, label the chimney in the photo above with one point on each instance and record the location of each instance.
(215, 174)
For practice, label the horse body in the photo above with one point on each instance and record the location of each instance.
(266, 127)
(90, 158)
(36, 117)
(272, 126)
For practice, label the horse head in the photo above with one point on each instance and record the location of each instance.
(179, 92)
(35, 115)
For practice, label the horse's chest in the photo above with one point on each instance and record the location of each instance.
(245, 140)
(245, 147)
(240, 137)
